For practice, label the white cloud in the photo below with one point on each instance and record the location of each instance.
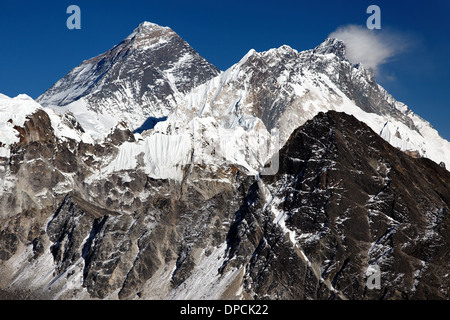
(371, 48)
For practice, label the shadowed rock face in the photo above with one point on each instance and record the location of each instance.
(342, 202)
(350, 201)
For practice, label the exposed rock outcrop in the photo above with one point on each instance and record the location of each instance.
(342, 202)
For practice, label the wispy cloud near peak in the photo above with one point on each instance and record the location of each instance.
(371, 48)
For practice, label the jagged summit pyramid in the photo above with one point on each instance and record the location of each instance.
(331, 45)
(143, 76)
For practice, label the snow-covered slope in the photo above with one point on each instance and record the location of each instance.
(141, 78)
(284, 88)
(14, 112)
(245, 114)
(241, 116)
(164, 152)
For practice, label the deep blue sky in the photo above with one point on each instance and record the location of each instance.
(37, 49)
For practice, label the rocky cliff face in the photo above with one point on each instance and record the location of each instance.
(280, 178)
(343, 201)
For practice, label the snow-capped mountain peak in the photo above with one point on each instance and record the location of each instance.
(16, 112)
(149, 27)
(154, 75)
(149, 34)
(272, 179)
(142, 78)
(331, 45)
(283, 88)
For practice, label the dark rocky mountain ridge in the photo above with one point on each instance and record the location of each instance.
(185, 208)
(343, 199)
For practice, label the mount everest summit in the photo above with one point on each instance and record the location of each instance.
(144, 76)
(147, 173)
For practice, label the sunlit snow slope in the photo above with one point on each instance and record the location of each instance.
(284, 88)
(242, 116)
